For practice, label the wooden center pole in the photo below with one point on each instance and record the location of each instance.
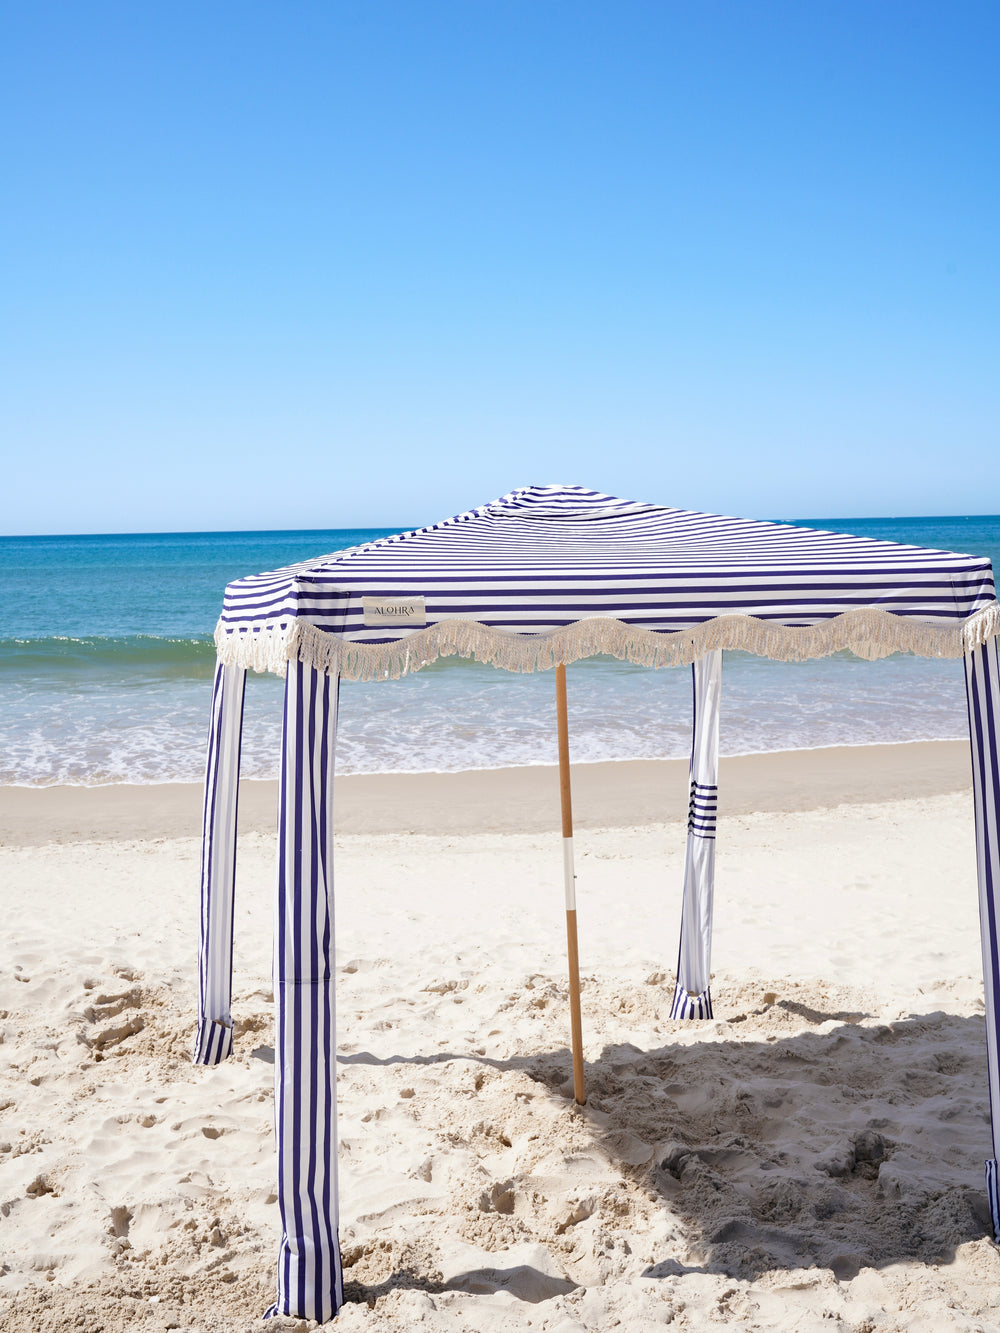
(569, 875)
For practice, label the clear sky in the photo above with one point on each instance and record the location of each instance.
(317, 264)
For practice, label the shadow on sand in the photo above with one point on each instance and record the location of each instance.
(842, 1148)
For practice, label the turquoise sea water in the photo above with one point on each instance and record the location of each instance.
(106, 660)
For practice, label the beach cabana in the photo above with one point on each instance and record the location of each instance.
(538, 579)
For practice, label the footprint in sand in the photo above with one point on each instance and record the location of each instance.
(110, 1015)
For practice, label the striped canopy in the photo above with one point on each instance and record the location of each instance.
(555, 573)
(543, 576)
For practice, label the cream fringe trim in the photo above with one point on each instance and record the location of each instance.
(868, 632)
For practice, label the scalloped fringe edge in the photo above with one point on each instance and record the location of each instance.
(868, 632)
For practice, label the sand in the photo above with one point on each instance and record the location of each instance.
(504, 800)
(811, 1159)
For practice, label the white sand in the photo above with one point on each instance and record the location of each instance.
(810, 1160)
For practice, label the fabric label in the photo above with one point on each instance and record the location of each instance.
(394, 610)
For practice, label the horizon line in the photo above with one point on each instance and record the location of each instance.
(389, 530)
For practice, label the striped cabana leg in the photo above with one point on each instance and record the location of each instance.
(214, 1035)
(692, 995)
(310, 1281)
(982, 682)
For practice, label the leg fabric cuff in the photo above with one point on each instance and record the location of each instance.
(687, 1005)
(993, 1194)
(213, 1042)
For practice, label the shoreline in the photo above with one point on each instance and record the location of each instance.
(607, 794)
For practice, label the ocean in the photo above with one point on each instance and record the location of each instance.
(106, 661)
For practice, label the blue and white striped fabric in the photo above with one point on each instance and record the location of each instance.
(692, 996)
(545, 557)
(310, 1280)
(982, 680)
(214, 1035)
(543, 575)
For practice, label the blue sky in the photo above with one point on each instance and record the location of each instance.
(322, 264)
